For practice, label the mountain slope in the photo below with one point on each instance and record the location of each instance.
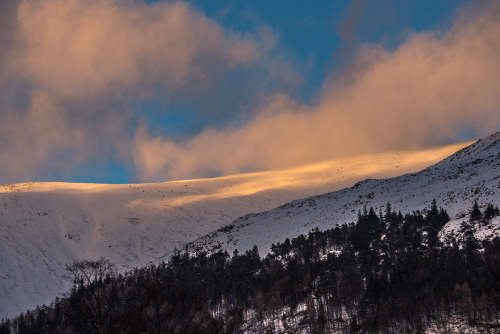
(473, 173)
(45, 226)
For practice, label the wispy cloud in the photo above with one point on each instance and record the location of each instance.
(425, 91)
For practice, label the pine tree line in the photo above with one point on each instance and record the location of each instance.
(386, 273)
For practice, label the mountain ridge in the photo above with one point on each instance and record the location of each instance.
(472, 173)
(46, 226)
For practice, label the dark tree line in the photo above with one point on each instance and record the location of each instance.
(387, 273)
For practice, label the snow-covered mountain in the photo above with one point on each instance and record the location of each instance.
(45, 226)
(473, 173)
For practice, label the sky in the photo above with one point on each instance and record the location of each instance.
(121, 91)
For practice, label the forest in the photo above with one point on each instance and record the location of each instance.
(387, 272)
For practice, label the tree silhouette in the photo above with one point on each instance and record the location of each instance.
(93, 297)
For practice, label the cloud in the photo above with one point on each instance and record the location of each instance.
(71, 72)
(347, 27)
(87, 49)
(427, 90)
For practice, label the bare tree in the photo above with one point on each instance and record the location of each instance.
(93, 297)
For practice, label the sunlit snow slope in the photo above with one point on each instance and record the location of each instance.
(472, 173)
(44, 226)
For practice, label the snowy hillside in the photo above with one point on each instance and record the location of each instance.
(44, 226)
(472, 173)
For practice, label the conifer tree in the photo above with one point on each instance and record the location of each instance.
(491, 211)
(475, 214)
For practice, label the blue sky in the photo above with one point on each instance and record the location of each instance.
(120, 91)
(322, 36)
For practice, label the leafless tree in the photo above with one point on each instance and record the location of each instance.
(93, 297)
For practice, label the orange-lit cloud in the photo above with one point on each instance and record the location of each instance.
(71, 72)
(81, 50)
(425, 91)
(70, 69)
